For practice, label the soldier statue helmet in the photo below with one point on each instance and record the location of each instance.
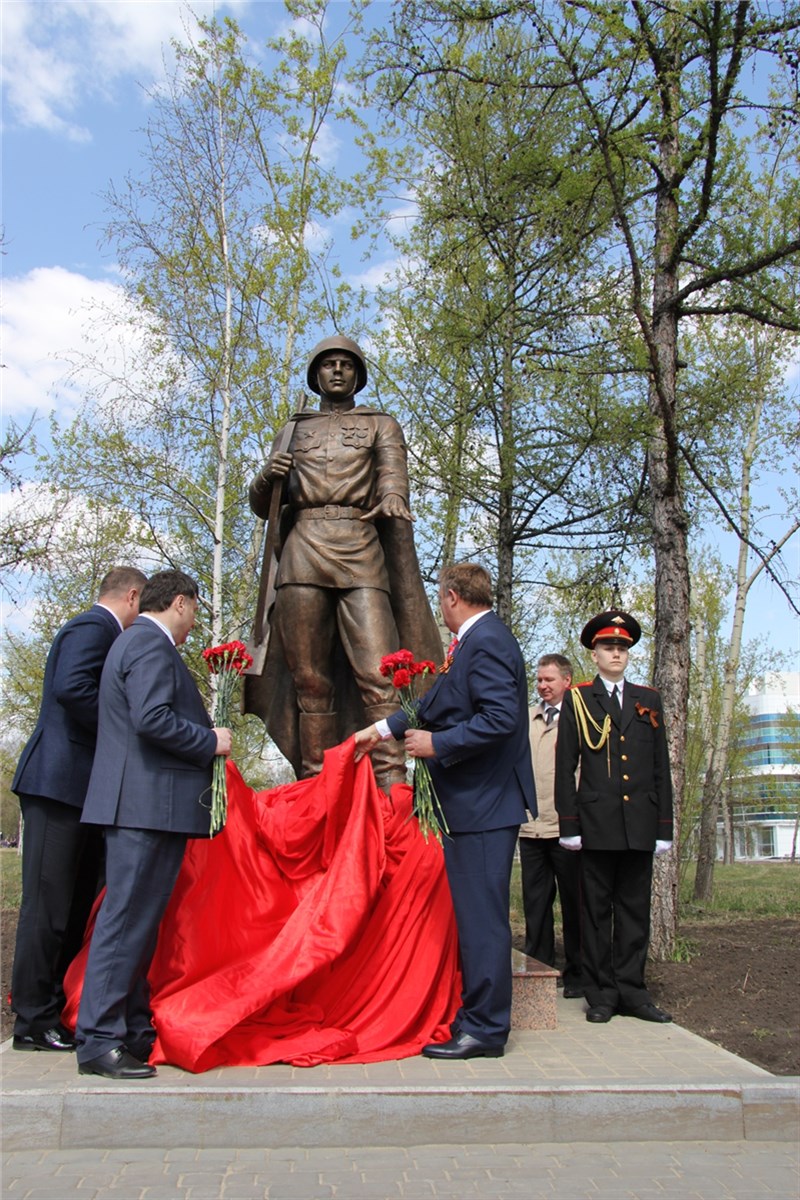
(337, 342)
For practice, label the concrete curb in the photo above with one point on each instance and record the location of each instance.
(113, 1116)
(627, 1081)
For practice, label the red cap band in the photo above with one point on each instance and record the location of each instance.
(613, 631)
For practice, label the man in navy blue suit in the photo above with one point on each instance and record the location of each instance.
(62, 859)
(475, 739)
(149, 788)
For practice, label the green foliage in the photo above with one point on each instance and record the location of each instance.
(220, 237)
(509, 418)
(683, 950)
(651, 172)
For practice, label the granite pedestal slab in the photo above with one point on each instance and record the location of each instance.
(533, 997)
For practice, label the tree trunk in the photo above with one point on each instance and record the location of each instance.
(730, 835)
(669, 519)
(507, 459)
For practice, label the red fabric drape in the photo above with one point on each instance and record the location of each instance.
(317, 927)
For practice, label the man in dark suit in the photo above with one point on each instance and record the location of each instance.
(62, 859)
(475, 739)
(149, 788)
(618, 815)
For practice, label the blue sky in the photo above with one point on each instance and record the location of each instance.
(74, 104)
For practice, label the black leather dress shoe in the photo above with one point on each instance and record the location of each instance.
(648, 1012)
(571, 992)
(140, 1049)
(57, 1038)
(463, 1045)
(598, 1014)
(116, 1064)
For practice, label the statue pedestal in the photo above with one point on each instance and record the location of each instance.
(533, 998)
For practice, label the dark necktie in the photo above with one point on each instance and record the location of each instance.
(616, 708)
(550, 714)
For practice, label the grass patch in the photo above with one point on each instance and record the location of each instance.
(10, 877)
(741, 890)
(747, 889)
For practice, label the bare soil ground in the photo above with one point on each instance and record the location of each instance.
(739, 988)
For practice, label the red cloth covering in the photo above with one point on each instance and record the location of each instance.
(318, 927)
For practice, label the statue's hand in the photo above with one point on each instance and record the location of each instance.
(277, 467)
(390, 506)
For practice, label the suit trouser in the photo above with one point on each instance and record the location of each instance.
(544, 864)
(61, 870)
(142, 866)
(479, 873)
(616, 925)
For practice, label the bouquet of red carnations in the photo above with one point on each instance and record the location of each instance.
(227, 662)
(405, 674)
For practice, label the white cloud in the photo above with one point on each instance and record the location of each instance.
(59, 53)
(379, 275)
(51, 316)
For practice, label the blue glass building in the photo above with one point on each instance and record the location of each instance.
(767, 794)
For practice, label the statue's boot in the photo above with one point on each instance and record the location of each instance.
(317, 734)
(389, 757)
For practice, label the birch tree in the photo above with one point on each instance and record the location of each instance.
(221, 242)
(771, 432)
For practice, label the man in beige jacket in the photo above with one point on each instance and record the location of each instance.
(547, 866)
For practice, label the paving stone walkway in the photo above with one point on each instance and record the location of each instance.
(608, 1171)
(615, 1112)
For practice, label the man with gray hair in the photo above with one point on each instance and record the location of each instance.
(546, 866)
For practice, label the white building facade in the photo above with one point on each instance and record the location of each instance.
(768, 793)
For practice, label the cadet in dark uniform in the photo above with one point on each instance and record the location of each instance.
(618, 815)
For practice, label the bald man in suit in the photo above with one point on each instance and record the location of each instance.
(62, 860)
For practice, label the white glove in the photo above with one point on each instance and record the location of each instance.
(662, 848)
(570, 843)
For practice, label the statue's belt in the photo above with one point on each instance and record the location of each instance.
(330, 512)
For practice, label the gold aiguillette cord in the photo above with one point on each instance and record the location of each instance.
(585, 719)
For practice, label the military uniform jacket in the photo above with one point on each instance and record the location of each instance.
(623, 799)
(344, 464)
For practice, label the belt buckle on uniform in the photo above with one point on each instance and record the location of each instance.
(332, 512)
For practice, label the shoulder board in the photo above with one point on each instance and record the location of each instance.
(368, 411)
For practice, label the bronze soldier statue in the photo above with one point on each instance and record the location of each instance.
(347, 582)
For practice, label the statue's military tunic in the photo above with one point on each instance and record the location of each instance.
(344, 463)
(620, 806)
(366, 577)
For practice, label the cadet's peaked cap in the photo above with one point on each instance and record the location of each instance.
(337, 342)
(617, 627)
